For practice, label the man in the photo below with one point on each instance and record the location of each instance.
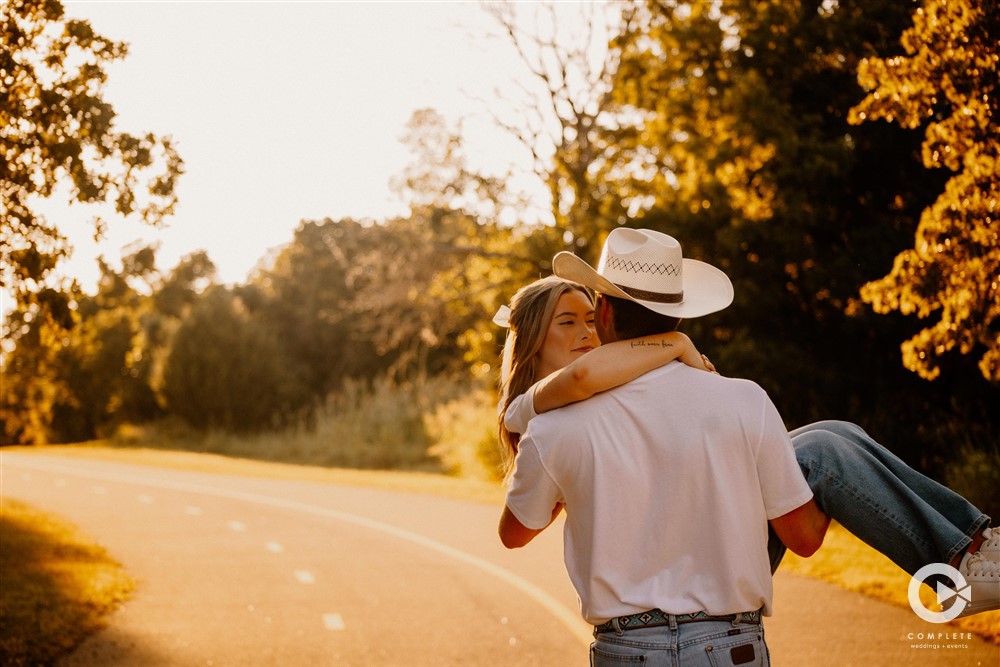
(668, 481)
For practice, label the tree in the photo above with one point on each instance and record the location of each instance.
(458, 260)
(78, 382)
(563, 119)
(743, 150)
(307, 297)
(226, 371)
(948, 81)
(56, 128)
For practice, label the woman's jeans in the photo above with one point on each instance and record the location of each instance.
(910, 518)
(700, 644)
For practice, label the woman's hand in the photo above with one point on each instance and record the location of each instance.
(709, 366)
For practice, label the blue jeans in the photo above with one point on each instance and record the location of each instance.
(701, 644)
(910, 518)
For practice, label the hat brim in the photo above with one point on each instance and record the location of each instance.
(706, 289)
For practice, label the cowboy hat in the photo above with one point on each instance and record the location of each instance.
(648, 267)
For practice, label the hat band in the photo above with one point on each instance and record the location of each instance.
(658, 297)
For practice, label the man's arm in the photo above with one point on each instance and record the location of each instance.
(515, 534)
(802, 530)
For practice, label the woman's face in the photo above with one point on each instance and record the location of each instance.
(570, 335)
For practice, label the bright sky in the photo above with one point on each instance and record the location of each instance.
(284, 111)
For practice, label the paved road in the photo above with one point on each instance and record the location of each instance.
(255, 572)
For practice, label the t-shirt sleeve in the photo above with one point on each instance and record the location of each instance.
(520, 411)
(532, 494)
(782, 483)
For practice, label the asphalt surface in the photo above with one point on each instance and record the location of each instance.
(255, 572)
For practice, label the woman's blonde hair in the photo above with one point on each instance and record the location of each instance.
(531, 311)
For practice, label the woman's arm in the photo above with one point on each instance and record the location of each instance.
(614, 364)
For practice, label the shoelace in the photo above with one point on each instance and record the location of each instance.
(981, 566)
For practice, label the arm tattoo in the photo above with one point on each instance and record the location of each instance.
(642, 343)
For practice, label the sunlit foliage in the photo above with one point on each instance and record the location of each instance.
(70, 383)
(733, 136)
(56, 130)
(947, 82)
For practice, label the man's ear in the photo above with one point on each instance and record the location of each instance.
(605, 312)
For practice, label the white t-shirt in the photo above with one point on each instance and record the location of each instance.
(668, 482)
(521, 411)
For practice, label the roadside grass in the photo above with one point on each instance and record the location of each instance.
(848, 562)
(435, 426)
(57, 586)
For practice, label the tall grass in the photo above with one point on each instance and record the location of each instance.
(464, 433)
(439, 425)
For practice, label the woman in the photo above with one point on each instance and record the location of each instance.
(550, 360)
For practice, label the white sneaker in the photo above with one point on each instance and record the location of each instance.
(982, 572)
(992, 543)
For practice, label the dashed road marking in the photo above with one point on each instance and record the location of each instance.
(192, 510)
(333, 621)
(100, 490)
(60, 482)
(146, 500)
(305, 577)
(275, 547)
(237, 526)
(570, 619)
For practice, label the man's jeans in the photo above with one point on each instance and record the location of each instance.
(860, 484)
(701, 644)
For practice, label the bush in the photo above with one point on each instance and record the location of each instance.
(438, 425)
(377, 424)
(464, 431)
(975, 475)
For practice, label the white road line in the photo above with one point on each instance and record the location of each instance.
(275, 547)
(305, 577)
(570, 619)
(146, 500)
(60, 482)
(192, 510)
(237, 526)
(333, 622)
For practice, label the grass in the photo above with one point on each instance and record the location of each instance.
(435, 426)
(57, 586)
(848, 562)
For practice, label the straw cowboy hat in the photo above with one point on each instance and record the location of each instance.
(648, 267)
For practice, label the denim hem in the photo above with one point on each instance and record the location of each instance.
(977, 526)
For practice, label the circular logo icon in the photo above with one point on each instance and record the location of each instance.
(961, 592)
